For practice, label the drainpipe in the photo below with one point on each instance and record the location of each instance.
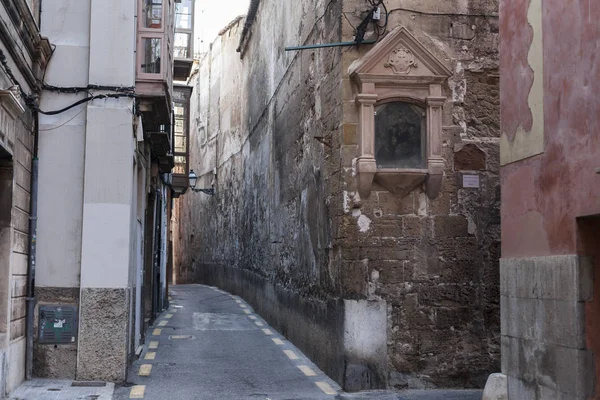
(30, 299)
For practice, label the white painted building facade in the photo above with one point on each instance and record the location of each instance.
(104, 187)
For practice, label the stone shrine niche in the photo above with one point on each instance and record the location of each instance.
(400, 116)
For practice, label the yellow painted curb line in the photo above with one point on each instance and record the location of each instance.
(325, 387)
(307, 370)
(137, 392)
(145, 370)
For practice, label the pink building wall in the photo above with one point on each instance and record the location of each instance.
(543, 195)
(551, 197)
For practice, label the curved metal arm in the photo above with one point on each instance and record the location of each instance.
(210, 192)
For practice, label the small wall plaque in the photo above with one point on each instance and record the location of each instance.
(471, 181)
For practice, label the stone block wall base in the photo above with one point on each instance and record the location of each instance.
(543, 338)
(3, 372)
(346, 339)
(16, 364)
(103, 335)
(50, 361)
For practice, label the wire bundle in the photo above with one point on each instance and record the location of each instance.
(31, 101)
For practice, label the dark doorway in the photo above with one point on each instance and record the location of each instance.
(589, 247)
(6, 195)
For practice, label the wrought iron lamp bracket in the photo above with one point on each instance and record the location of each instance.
(210, 192)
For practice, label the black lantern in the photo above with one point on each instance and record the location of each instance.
(193, 178)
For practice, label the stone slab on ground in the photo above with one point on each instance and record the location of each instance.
(47, 389)
(496, 388)
(414, 395)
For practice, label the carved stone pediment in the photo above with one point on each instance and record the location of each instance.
(400, 67)
(400, 54)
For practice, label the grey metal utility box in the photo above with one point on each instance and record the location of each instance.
(57, 324)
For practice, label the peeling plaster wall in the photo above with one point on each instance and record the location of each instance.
(266, 124)
(270, 213)
(277, 133)
(550, 205)
(543, 195)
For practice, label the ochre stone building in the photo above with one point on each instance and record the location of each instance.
(24, 55)
(357, 187)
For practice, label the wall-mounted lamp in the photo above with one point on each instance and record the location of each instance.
(194, 179)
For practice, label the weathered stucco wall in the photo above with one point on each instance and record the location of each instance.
(258, 122)
(277, 133)
(543, 195)
(550, 149)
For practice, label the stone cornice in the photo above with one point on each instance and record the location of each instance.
(38, 48)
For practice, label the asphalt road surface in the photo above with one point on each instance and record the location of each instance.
(210, 345)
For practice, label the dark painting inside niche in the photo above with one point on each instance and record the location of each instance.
(400, 135)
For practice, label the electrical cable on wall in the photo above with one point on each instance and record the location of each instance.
(87, 99)
(86, 89)
(379, 30)
(380, 26)
(31, 101)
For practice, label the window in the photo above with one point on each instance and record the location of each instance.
(182, 45)
(184, 25)
(183, 15)
(152, 59)
(181, 148)
(400, 135)
(152, 11)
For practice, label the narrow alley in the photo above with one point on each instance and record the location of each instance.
(299, 200)
(211, 345)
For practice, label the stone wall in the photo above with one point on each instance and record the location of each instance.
(544, 350)
(16, 149)
(266, 146)
(277, 133)
(434, 261)
(266, 123)
(25, 54)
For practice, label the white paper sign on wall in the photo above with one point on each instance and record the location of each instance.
(471, 181)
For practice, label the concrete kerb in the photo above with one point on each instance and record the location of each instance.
(48, 389)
